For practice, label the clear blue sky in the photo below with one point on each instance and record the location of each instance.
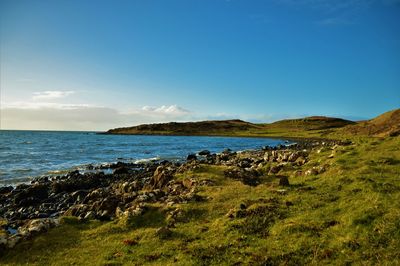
(89, 62)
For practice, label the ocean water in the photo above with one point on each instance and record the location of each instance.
(27, 154)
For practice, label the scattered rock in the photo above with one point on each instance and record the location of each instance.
(124, 194)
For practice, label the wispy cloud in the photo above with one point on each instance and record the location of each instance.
(335, 22)
(330, 5)
(46, 95)
(338, 5)
(43, 105)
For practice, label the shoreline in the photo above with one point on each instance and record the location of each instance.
(29, 209)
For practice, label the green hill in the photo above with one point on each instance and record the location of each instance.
(386, 124)
(288, 127)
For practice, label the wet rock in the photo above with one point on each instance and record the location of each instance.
(121, 170)
(31, 195)
(191, 157)
(204, 153)
(5, 190)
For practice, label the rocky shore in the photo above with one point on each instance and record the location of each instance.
(123, 190)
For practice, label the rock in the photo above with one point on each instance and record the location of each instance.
(204, 153)
(231, 213)
(247, 176)
(284, 181)
(191, 157)
(5, 190)
(163, 232)
(37, 226)
(31, 195)
(316, 170)
(293, 156)
(188, 182)
(160, 178)
(312, 171)
(79, 195)
(300, 161)
(76, 210)
(121, 170)
(108, 204)
(298, 173)
(130, 242)
(244, 163)
(227, 151)
(90, 215)
(275, 169)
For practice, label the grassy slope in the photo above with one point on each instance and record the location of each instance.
(305, 127)
(387, 124)
(351, 213)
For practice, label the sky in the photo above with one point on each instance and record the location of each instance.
(95, 65)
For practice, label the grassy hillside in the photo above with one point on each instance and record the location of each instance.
(189, 128)
(387, 124)
(309, 126)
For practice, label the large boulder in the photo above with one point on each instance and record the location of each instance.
(160, 178)
(34, 193)
(247, 176)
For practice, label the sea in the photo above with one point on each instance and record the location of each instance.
(28, 154)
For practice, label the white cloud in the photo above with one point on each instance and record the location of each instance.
(172, 110)
(43, 105)
(64, 116)
(46, 95)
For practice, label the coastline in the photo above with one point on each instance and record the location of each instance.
(32, 208)
(166, 213)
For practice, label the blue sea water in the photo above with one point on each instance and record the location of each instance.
(27, 154)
